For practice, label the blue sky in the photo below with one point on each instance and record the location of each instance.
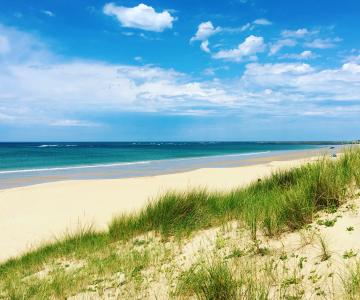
(179, 70)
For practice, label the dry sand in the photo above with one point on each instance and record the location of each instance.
(39, 213)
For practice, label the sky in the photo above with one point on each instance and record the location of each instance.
(231, 70)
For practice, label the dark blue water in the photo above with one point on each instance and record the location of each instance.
(32, 156)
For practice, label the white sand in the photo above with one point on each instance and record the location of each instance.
(34, 214)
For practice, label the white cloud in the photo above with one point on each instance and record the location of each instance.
(236, 29)
(211, 71)
(247, 26)
(278, 68)
(204, 31)
(52, 91)
(306, 85)
(299, 33)
(276, 47)
(322, 43)
(47, 90)
(4, 45)
(73, 123)
(205, 46)
(351, 67)
(262, 21)
(307, 54)
(18, 46)
(248, 49)
(48, 13)
(142, 17)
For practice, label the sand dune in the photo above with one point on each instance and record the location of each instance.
(35, 214)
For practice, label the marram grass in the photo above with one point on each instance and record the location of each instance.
(287, 200)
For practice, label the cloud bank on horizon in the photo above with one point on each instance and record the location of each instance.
(143, 59)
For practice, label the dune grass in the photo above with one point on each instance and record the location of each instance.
(352, 283)
(287, 200)
(212, 281)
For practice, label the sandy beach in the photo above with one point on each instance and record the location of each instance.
(35, 214)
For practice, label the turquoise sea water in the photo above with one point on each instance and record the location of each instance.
(34, 156)
(24, 164)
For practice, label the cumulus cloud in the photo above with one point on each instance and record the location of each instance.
(204, 31)
(263, 22)
(277, 46)
(248, 49)
(141, 17)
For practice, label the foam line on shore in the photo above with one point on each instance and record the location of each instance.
(124, 163)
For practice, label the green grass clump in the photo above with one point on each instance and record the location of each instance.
(215, 280)
(350, 228)
(172, 214)
(325, 252)
(327, 222)
(209, 282)
(352, 283)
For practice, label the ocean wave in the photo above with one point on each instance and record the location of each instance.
(55, 145)
(46, 146)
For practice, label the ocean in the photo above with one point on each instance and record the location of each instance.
(30, 163)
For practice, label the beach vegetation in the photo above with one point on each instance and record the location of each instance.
(352, 283)
(325, 252)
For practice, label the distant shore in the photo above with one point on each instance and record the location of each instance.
(34, 214)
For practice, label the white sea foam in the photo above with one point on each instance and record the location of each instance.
(74, 167)
(55, 145)
(46, 146)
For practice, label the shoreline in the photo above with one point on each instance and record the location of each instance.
(26, 177)
(35, 214)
